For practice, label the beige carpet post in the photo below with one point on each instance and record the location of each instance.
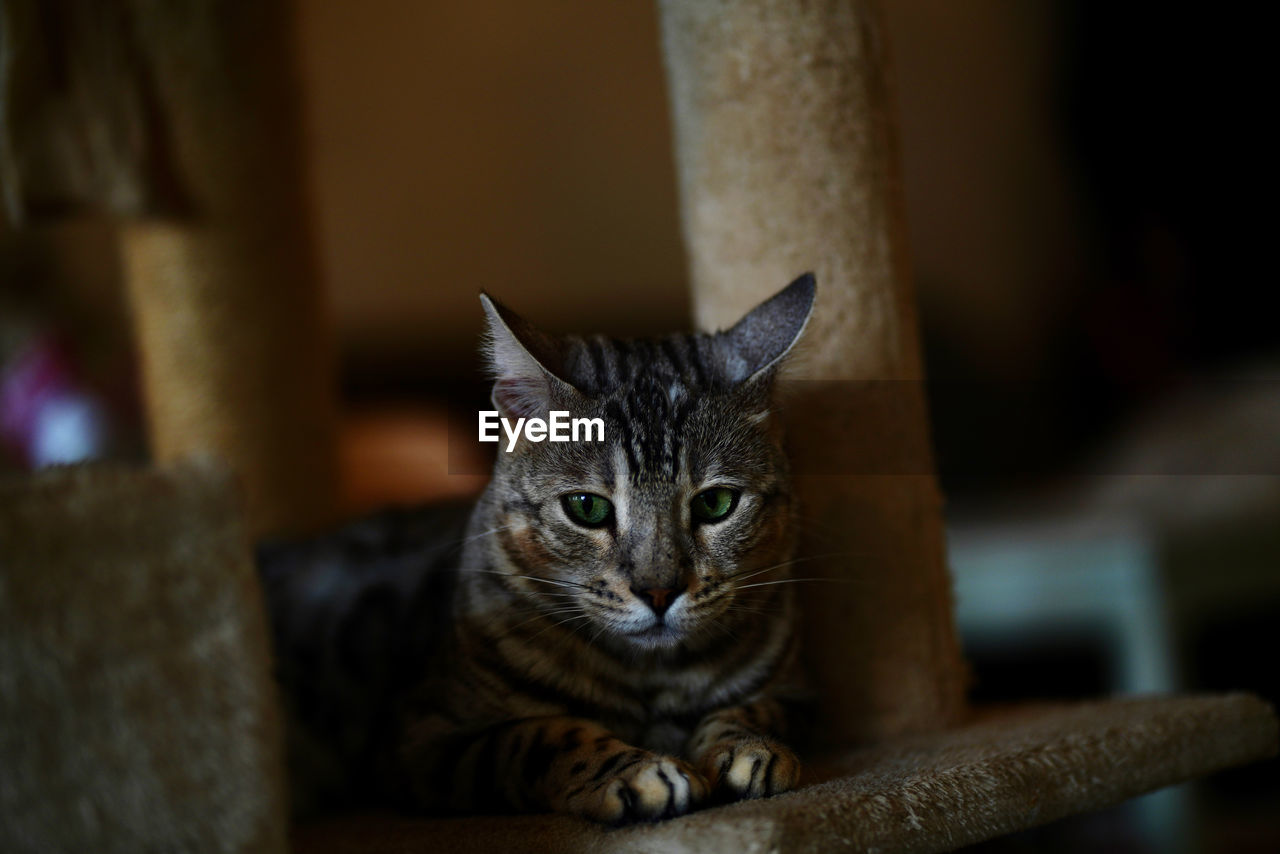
(182, 119)
(227, 298)
(137, 708)
(787, 161)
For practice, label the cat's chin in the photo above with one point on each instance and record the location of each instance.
(659, 637)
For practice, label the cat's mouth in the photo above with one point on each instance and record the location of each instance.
(656, 635)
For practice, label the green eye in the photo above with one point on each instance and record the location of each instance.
(587, 509)
(713, 504)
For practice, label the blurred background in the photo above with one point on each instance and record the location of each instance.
(1086, 187)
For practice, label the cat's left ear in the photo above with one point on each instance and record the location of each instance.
(525, 362)
(756, 345)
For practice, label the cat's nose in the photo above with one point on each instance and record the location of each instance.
(658, 598)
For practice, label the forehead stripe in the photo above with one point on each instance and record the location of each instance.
(621, 352)
(614, 410)
(673, 355)
(595, 353)
(695, 361)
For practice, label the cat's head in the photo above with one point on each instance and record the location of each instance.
(649, 538)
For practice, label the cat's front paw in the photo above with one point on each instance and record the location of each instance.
(641, 787)
(752, 767)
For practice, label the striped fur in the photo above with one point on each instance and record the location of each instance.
(560, 682)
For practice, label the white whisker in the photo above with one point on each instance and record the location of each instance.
(794, 581)
(560, 583)
(540, 616)
(561, 623)
(464, 540)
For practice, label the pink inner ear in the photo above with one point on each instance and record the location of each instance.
(521, 397)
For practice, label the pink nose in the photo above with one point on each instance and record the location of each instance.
(658, 598)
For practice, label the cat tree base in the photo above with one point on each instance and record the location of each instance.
(1001, 772)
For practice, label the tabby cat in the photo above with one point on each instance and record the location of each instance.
(605, 636)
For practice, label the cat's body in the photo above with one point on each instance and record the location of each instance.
(614, 643)
(357, 616)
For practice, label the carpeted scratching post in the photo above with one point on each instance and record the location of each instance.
(182, 119)
(137, 708)
(787, 156)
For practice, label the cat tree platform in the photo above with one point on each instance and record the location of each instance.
(1002, 772)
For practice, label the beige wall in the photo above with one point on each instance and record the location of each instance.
(523, 148)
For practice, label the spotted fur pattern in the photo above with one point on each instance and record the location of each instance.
(634, 669)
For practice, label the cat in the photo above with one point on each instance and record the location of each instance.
(608, 633)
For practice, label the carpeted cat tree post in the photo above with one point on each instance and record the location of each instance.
(227, 298)
(787, 158)
(137, 708)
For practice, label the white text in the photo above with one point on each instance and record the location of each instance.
(558, 427)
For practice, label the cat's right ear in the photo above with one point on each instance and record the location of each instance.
(757, 344)
(524, 362)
